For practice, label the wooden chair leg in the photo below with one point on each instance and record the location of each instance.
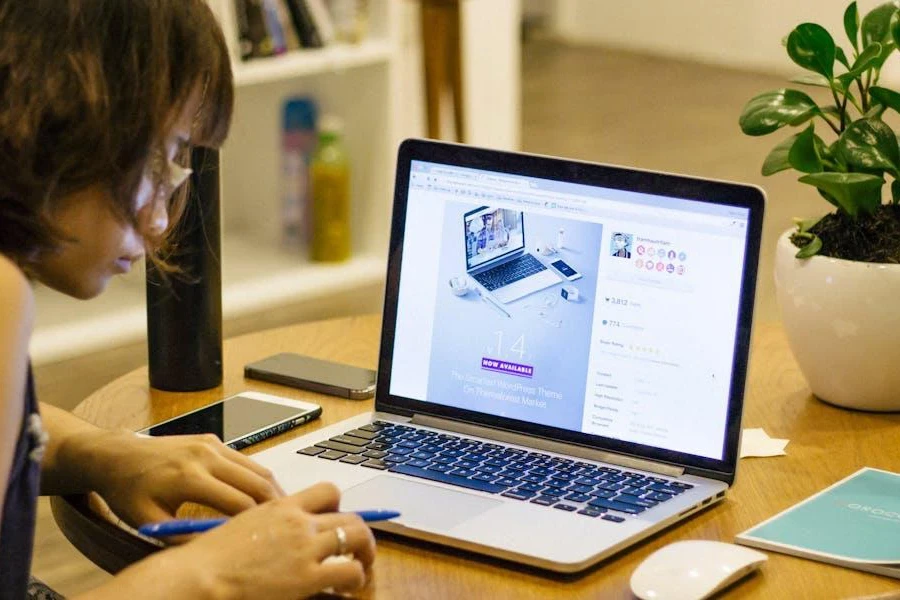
(434, 62)
(454, 56)
(442, 61)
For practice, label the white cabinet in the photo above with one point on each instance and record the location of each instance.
(358, 83)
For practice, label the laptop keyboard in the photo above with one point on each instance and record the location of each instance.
(509, 272)
(544, 480)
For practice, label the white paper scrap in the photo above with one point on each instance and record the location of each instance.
(756, 442)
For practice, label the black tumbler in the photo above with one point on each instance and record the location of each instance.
(184, 310)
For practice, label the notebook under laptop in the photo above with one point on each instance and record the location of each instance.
(496, 259)
(559, 429)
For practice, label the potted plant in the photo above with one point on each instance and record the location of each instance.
(837, 277)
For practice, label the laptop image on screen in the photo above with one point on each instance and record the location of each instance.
(561, 429)
(496, 257)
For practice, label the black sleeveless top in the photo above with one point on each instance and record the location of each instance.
(20, 504)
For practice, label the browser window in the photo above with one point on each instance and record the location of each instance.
(633, 341)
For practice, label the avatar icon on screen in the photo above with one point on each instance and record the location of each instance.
(620, 246)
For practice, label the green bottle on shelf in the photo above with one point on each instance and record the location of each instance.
(330, 180)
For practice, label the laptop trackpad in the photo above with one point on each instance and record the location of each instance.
(421, 505)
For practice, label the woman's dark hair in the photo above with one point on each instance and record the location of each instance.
(89, 91)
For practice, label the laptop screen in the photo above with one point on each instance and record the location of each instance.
(492, 233)
(634, 340)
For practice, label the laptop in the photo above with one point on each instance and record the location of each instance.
(560, 429)
(496, 258)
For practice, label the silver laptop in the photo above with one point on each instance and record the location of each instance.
(496, 257)
(560, 429)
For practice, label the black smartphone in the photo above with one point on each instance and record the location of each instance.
(241, 420)
(316, 375)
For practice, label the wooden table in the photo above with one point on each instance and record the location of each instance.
(827, 443)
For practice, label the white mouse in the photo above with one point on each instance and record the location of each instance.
(692, 570)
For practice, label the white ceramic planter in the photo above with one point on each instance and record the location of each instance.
(842, 320)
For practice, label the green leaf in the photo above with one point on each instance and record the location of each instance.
(804, 225)
(829, 199)
(876, 26)
(772, 110)
(812, 47)
(833, 152)
(828, 159)
(872, 57)
(817, 80)
(853, 192)
(886, 49)
(806, 153)
(844, 81)
(870, 144)
(810, 249)
(875, 111)
(895, 31)
(867, 58)
(895, 192)
(841, 57)
(777, 160)
(851, 24)
(886, 97)
(811, 79)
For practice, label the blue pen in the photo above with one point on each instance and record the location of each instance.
(185, 526)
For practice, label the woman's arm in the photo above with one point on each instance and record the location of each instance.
(162, 576)
(147, 479)
(16, 322)
(68, 437)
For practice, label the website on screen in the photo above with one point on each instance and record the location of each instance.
(606, 312)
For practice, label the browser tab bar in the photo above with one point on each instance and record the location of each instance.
(493, 188)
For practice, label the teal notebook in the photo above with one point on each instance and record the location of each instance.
(854, 523)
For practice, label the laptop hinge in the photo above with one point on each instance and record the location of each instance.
(538, 443)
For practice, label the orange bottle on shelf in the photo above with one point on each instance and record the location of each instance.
(330, 179)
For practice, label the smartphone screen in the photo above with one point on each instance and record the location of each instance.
(235, 418)
(564, 268)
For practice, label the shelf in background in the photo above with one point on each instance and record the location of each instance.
(256, 278)
(299, 63)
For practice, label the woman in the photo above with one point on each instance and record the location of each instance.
(99, 103)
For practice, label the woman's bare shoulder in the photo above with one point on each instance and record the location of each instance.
(16, 295)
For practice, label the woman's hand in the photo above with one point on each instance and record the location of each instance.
(274, 551)
(146, 479)
(278, 550)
